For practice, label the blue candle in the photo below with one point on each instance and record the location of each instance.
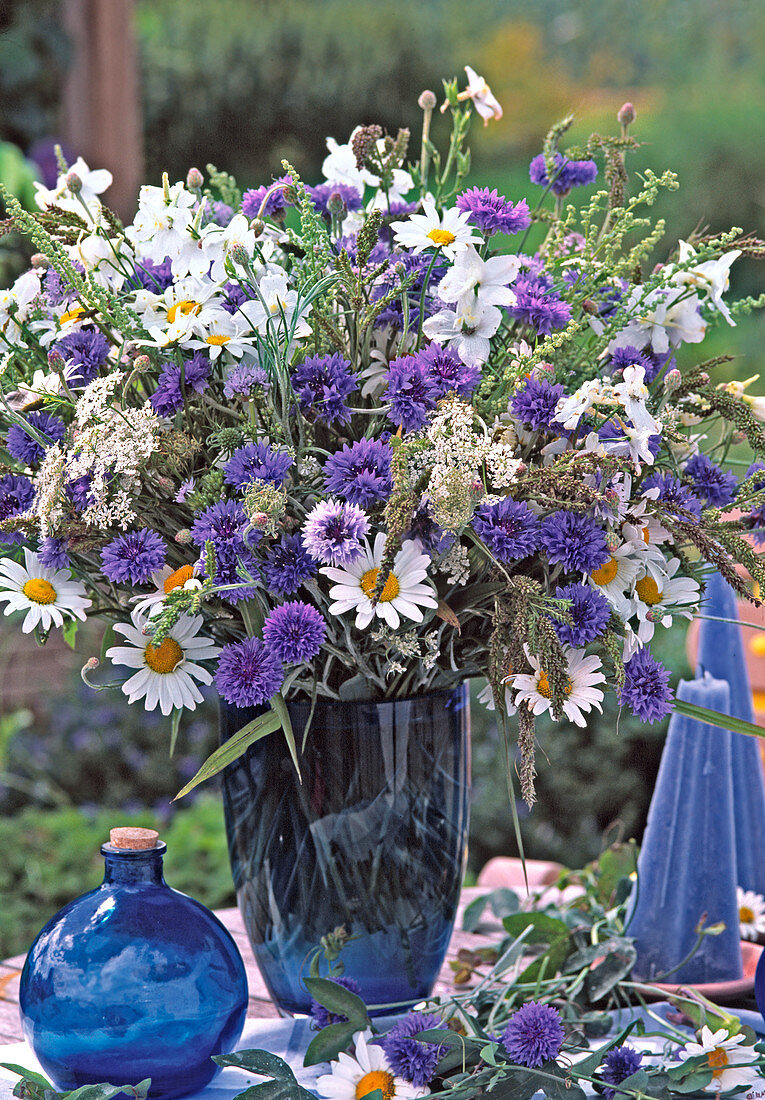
(687, 863)
(721, 653)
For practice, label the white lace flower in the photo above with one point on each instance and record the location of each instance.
(353, 1078)
(165, 673)
(582, 695)
(47, 595)
(448, 231)
(403, 592)
(751, 914)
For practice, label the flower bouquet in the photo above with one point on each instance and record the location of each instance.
(358, 441)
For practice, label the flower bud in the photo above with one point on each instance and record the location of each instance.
(183, 536)
(194, 179)
(672, 379)
(56, 361)
(613, 542)
(336, 204)
(259, 519)
(589, 306)
(626, 115)
(543, 371)
(141, 363)
(239, 254)
(704, 378)
(427, 100)
(257, 225)
(40, 261)
(91, 664)
(74, 183)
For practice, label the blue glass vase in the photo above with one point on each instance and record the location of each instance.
(374, 839)
(133, 980)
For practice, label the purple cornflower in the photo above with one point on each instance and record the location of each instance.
(287, 565)
(534, 1035)
(433, 538)
(509, 528)
(589, 613)
(295, 632)
(219, 212)
(321, 195)
(411, 391)
(52, 553)
(83, 352)
(629, 357)
(79, 492)
(244, 380)
(717, 486)
(333, 530)
(493, 213)
(248, 673)
(321, 383)
(646, 690)
(235, 297)
(574, 540)
(447, 371)
(535, 404)
(56, 289)
(619, 1064)
(276, 206)
(321, 1016)
(538, 306)
(167, 399)
(230, 565)
(24, 447)
(226, 526)
(568, 173)
(151, 276)
(256, 462)
(360, 472)
(16, 496)
(414, 1061)
(675, 496)
(133, 557)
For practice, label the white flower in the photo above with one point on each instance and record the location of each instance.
(570, 409)
(486, 696)
(448, 231)
(93, 183)
(616, 576)
(402, 594)
(731, 1064)
(166, 672)
(469, 329)
(279, 307)
(632, 393)
(581, 693)
(658, 600)
(751, 913)
(488, 280)
(481, 94)
(340, 167)
(15, 303)
(354, 1078)
(46, 594)
(662, 317)
(164, 581)
(713, 276)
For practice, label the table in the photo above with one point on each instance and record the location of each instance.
(261, 1006)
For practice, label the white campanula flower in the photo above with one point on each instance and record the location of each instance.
(160, 228)
(448, 231)
(712, 276)
(353, 1078)
(47, 595)
(662, 318)
(15, 305)
(582, 695)
(484, 101)
(468, 330)
(278, 310)
(91, 185)
(730, 1062)
(632, 392)
(751, 914)
(166, 672)
(340, 167)
(487, 280)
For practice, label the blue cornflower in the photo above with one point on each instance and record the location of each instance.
(535, 403)
(577, 542)
(276, 206)
(534, 1035)
(235, 296)
(80, 493)
(321, 1016)
(333, 531)
(167, 399)
(220, 213)
(244, 380)
(589, 613)
(249, 674)
(83, 352)
(646, 689)
(710, 481)
(360, 472)
(538, 306)
(411, 392)
(295, 632)
(53, 553)
(257, 462)
(675, 496)
(630, 357)
(230, 564)
(322, 382)
(568, 173)
(320, 196)
(16, 496)
(408, 1058)
(447, 371)
(24, 447)
(151, 276)
(287, 565)
(226, 526)
(619, 1064)
(493, 213)
(509, 528)
(133, 557)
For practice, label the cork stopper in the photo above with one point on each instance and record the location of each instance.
(134, 838)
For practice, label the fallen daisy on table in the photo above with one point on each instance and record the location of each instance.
(353, 1078)
(731, 1064)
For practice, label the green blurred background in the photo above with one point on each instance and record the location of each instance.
(243, 83)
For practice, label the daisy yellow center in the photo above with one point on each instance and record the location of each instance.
(718, 1060)
(746, 915)
(646, 536)
(39, 590)
(543, 687)
(184, 307)
(648, 590)
(391, 588)
(441, 236)
(178, 578)
(217, 340)
(606, 573)
(165, 657)
(71, 315)
(376, 1079)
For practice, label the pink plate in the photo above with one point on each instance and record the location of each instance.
(719, 991)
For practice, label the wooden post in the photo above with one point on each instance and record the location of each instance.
(101, 118)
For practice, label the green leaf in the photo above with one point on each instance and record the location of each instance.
(105, 1092)
(503, 903)
(257, 1061)
(544, 928)
(70, 632)
(339, 1000)
(328, 1043)
(619, 959)
(715, 718)
(28, 1074)
(280, 708)
(175, 722)
(233, 748)
(471, 918)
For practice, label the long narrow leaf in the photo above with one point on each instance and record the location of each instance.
(233, 749)
(280, 709)
(715, 718)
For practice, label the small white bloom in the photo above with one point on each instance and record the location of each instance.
(731, 1064)
(469, 329)
(281, 311)
(488, 280)
(484, 101)
(616, 576)
(713, 276)
(632, 392)
(571, 408)
(93, 183)
(448, 231)
(47, 595)
(663, 317)
(353, 1078)
(751, 913)
(657, 600)
(581, 693)
(164, 581)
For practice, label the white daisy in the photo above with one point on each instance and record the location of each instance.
(166, 672)
(486, 696)
(448, 231)
(402, 594)
(617, 575)
(47, 595)
(751, 913)
(353, 1078)
(656, 599)
(165, 580)
(582, 695)
(730, 1063)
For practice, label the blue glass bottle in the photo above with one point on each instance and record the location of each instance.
(133, 980)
